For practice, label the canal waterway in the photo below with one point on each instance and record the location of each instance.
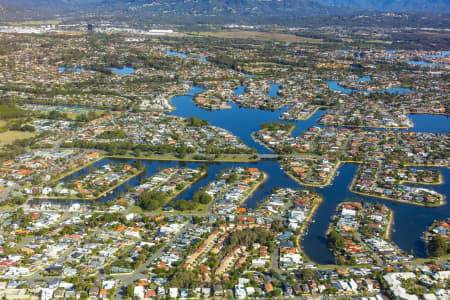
(409, 220)
(116, 71)
(240, 121)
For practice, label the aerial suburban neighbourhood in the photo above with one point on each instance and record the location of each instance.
(238, 150)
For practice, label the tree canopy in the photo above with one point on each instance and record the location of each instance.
(151, 200)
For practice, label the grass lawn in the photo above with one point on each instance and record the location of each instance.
(429, 259)
(201, 209)
(223, 158)
(9, 137)
(73, 116)
(379, 42)
(51, 22)
(261, 36)
(7, 207)
(135, 210)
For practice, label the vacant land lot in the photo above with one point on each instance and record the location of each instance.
(261, 36)
(45, 22)
(9, 137)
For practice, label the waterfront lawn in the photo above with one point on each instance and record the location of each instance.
(260, 36)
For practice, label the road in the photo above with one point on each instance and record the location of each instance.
(38, 275)
(375, 256)
(275, 260)
(8, 191)
(142, 271)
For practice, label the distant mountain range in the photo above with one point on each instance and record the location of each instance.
(51, 4)
(437, 6)
(222, 8)
(55, 6)
(274, 7)
(12, 12)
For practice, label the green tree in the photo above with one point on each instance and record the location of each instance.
(151, 200)
(437, 246)
(184, 279)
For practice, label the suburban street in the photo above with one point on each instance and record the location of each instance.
(142, 271)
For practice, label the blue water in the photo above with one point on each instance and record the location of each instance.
(168, 52)
(334, 86)
(123, 71)
(242, 122)
(274, 89)
(239, 90)
(85, 171)
(430, 123)
(63, 69)
(401, 91)
(410, 220)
